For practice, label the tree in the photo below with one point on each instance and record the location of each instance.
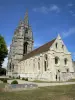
(3, 50)
(2, 71)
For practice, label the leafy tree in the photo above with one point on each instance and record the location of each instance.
(2, 71)
(3, 50)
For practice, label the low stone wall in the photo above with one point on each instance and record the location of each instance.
(4, 77)
(19, 87)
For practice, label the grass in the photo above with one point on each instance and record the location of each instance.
(2, 85)
(71, 80)
(39, 81)
(43, 93)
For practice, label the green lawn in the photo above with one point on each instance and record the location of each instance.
(2, 85)
(71, 80)
(43, 93)
(39, 81)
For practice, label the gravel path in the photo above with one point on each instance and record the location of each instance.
(42, 84)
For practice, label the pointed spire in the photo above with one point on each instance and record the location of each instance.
(26, 21)
(21, 22)
(59, 37)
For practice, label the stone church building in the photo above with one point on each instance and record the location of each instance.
(50, 62)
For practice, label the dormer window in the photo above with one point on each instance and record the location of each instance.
(56, 45)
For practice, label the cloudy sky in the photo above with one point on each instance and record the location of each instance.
(47, 18)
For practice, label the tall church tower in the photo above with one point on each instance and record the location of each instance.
(22, 44)
(28, 36)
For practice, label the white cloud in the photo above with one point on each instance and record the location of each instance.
(4, 65)
(69, 32)
(72, 13)
(8, 48)
(70, 4)
(54, 8)
(36, 45)
(44, 9)
(73, 54)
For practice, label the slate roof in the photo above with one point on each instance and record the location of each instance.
(39, 50)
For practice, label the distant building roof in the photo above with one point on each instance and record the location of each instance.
(39, 50)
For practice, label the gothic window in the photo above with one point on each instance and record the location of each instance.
(25, 48)
(56, 60)
(26, 30)
(65, 61)
(45, 62)
(56, 45)
(13, 66)
(62, 46)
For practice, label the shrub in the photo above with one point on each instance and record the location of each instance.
(4, 80)
(23, 78)
(14, 82)
(9, 76)
(18, 77)
(26, 79)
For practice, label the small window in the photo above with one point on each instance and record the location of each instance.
(56, 60)
(45, 66)
(67, 70)
(45, 62)
(65, 61)
(56, 45)
(62, 46)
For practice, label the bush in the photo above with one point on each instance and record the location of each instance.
(14, 82)
(2, 71)
(4, 80)
(23, 78)
(18, 77)
(26, 79)
(9, 76)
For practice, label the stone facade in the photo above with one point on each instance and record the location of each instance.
(51, 62)
(74, 65)
(55, 64)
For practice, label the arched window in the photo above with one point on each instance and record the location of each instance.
(25, 48)
(13, 66)
(65, 61)
(56, 60)
(45, 62)
(26, 30)
(62, 46)
(56, 45)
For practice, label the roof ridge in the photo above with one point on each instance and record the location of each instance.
(40, 49)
